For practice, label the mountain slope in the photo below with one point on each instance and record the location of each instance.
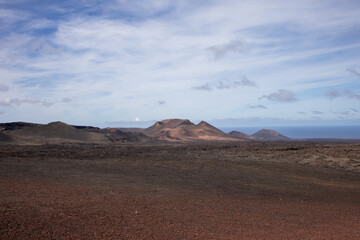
(209, 127)
(5, 138)
(116, 135)
(131, 129)
(242, 135)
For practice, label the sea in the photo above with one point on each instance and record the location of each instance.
(305, 131)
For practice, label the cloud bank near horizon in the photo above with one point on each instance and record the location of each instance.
(88, 62)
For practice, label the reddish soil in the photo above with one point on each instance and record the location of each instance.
(134, 192)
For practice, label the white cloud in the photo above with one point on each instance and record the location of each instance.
(353, 71)
(18, 102)
(334, 93)
(226, 84)
(219, 51)
(204, 87)
(317, 112)
(281, 95)
(10, 101)
(4, 88)
(66, 100)
(12, 16)
(351, 94)
(259, 106)
(115, 65)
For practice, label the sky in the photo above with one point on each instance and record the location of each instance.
(130, 63)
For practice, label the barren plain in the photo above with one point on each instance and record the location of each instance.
(235, 190)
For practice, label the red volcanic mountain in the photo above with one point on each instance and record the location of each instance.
(238, 134)
(267, 134)
(184, 130)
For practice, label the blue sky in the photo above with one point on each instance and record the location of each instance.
(129, 63)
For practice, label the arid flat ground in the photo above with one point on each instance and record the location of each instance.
(244, 190)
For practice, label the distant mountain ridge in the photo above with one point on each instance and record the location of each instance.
(173, 130)
(263, 134)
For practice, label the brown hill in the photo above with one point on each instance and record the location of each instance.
(54, 132)
(5, 138)
(59, 132)
(242, 135)
(184, 130)
(267, 134)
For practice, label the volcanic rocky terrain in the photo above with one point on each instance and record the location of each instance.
(174, 180)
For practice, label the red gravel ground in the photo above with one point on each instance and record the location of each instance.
(242, 191)
(37, 210)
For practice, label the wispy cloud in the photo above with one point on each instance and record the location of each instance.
(31, 100)
(18, 102)
(259, 106)
(219, 51)
(246, 82)
(353, 71)
(9, 17)
(317, 112)
(4, 88)
(301, 112)
(351, 94)
(333, 93)
(40, 46)
(204, 87)
(342, 113)
(10, 101)
(47, 104)
(66, 100)
(281, 95)
(227, 84)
